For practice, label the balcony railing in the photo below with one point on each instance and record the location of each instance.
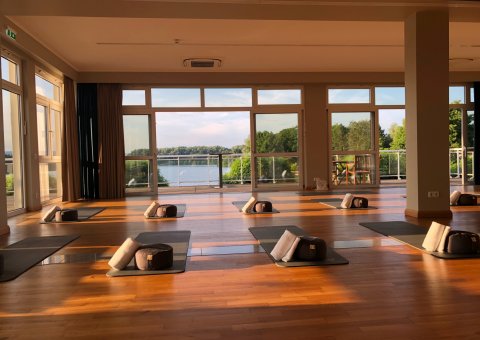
(192, 170)
(203, 170)
(393, 163)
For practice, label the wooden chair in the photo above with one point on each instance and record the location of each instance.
(363, 169)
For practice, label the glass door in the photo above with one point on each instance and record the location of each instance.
(49, 128)
(353, 158)
(392, 145)
(276, 150)
(13, 150)
(139, 155)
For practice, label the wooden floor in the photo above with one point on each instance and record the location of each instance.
(386, 292)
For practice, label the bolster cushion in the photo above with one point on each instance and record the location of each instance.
(263, 206)
(69, 215)
(124, 254)
(360, 202)
(311, 249)
(467, 199)
(167, 210)
(154, 257)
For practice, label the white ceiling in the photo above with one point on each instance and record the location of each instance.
(94, 44)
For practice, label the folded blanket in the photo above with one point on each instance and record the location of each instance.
(347, 201)
(454, 197)
(151, 210)
(50, 214)
(289, 255)
(284, 245)
(434, 236)
(124, 254)
(443, 240)
(248, 207)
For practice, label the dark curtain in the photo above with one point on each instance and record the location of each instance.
(88, 139)
(70, 151)
(110, 141)
(476, 122)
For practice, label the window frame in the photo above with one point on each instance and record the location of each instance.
(51, 104)
(18, 90)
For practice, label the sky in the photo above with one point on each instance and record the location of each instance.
(202, 128)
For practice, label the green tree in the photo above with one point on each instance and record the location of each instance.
(398, 136)
(137, 174)
(455, 128)
(239, 171)
(339, 137)
(384, 139)
(359, 135)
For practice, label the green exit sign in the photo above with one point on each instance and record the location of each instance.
(11, 33)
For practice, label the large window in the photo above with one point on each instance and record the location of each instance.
(49, 130)
(12, 128)
(202, 136)
(352, 144)
(371, 121)
(276, 148)
(138, 153)
(461, 134)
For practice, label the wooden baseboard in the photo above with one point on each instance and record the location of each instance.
(428, 213)
(4, 230)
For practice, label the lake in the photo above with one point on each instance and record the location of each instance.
(190, 175)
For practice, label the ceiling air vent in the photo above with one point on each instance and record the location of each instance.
(202, 63)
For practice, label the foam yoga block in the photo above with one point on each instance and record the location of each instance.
(154, 257)
(124, 254)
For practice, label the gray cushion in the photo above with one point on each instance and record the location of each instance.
(69, 214)
(154, 257)
(167, 210)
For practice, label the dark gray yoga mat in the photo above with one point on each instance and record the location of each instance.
(19, 257)
(268, 237)
(240, 204)
(83, 214)
(181, 208)
(412, 235)
(335, 203)
(179, 240)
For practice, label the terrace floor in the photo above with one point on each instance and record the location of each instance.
(231, 289)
